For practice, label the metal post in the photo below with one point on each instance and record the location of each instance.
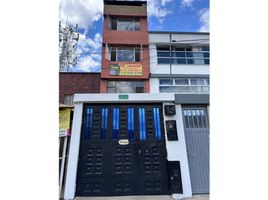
(170, 65)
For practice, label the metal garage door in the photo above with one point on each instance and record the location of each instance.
(122, 151)
(196, 128)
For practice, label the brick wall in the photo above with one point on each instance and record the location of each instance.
(71, 83)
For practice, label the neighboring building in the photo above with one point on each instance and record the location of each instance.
(189, 80)
(71, 83)
(125, 55)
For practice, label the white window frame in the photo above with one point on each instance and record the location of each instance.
(189, 85)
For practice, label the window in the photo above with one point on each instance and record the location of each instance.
(69, 99)
(195, 118)
(183, 55)
(125, 87)
(125, 24)
(185, 85)
(130, 54)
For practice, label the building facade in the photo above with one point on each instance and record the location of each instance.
(152, 143)
(179, 64)
(125, 54)
(71, 83)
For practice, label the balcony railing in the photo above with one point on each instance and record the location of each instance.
(183, 57)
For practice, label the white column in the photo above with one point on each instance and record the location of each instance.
(70, 183)
(176, 151)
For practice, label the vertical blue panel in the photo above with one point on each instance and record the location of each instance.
(155, 122)
(142, 124)
(104, 119)
(140, 120)
(88, 125)
(115, 123)
(130, 123)
(157, 126)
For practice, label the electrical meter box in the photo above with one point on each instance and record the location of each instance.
(175, 177)
(170, 110)
(171, 128)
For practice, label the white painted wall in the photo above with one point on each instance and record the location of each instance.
(164, 37)
(176, 151)
(70, 183)
(154, 85)
(132, 98)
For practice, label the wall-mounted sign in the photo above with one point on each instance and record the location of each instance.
(126, 69)
(64, 119)
(123, 96)
(123, 142)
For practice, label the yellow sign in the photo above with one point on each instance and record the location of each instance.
(126, 69)
(64, 126)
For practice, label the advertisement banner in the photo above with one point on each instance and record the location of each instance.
(126, 69)
(64, 119)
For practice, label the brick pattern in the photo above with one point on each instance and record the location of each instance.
(71, 83)
(125, 38)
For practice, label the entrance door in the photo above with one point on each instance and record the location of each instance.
(196, 128)
(122, 151)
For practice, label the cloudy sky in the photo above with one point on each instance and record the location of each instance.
(164, 15)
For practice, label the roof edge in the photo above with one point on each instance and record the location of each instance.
(178, 32)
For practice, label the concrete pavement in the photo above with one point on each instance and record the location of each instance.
(158, 197)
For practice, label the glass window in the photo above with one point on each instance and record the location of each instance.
(178, 61)
(69, 99)
(124, 24)
(181, 81)
(163, 54)
(125, 54)
(164, 89)
(181, 89)
(183, 55)
(114, 23)
(185, 86)
(136, 24)
(125, 87)
(165, 81)
(137, 54)
(128, 24)
(113, 54)
(131, 54)
(163, 60)
(197, 82)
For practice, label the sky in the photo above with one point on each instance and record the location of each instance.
(163, 15)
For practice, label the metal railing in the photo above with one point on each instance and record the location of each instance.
(183, 57)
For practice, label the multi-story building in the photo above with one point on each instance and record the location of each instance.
(152, 143)
(179, 64)
(125, 55)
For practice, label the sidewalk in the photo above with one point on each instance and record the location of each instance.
(158, 197)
